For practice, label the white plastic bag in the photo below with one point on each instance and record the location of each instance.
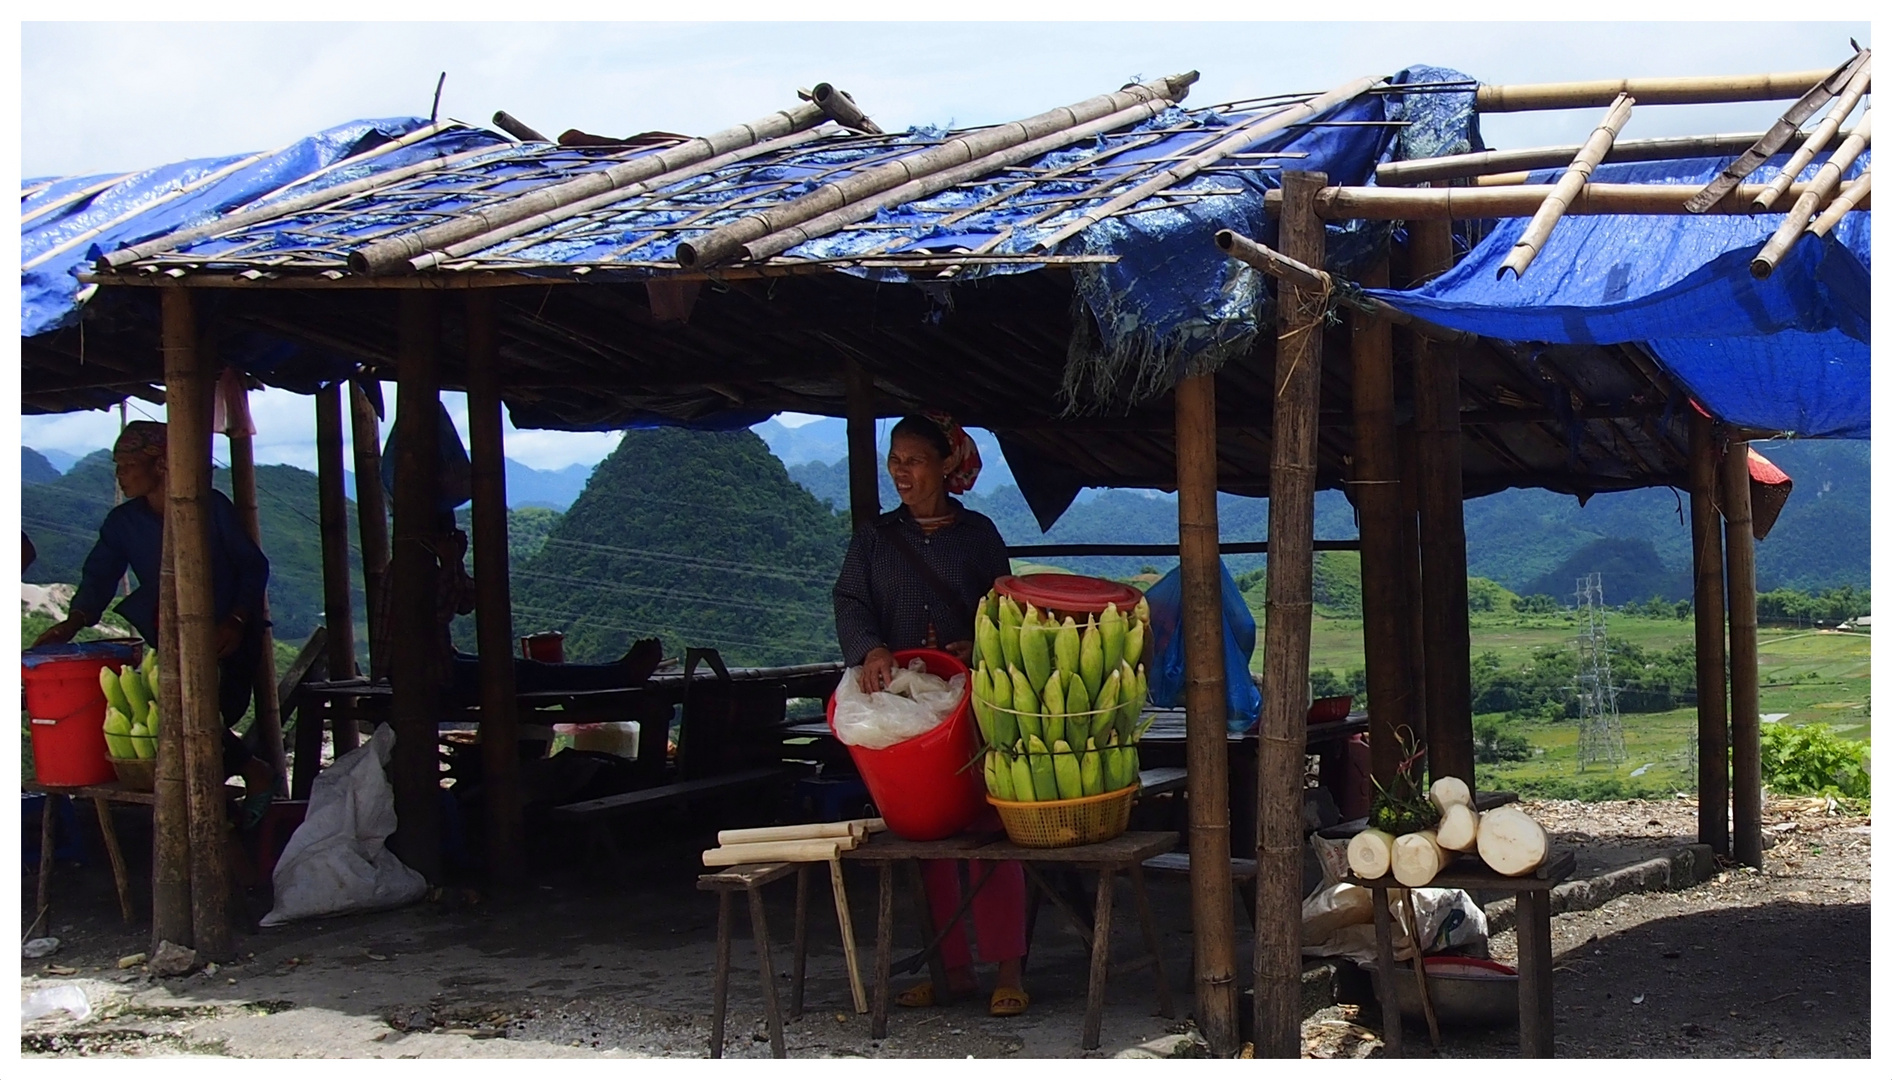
(913, 704)
(1448, 919)
(338, 858)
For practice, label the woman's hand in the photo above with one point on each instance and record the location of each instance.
(57, 634)
(961, 651)
(877, 670)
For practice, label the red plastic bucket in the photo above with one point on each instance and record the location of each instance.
(67, 710)
(548, 647)
(925, 787)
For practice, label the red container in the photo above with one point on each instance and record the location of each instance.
(67, 710)
(1076, 595)
(548, 647)
(928, 787)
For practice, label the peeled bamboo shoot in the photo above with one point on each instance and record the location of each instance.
(778, 851)
(1510, 842)
(1370, 854)
(1417, 858)
(816, 831)
(1450, 791)
(1458, 827)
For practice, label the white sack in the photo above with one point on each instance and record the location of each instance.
(338, 860)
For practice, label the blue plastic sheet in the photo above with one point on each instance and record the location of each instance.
(1788, 353)
(1167, 673)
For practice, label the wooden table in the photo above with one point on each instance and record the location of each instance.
(1536, 1023)
(102, 796)
(1124, 854)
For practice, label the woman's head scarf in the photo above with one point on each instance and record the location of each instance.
(962, 464)
(148, 437)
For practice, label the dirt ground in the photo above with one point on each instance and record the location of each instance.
(1775, 963)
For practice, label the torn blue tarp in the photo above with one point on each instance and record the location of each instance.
(1789, 353)
(77, 227)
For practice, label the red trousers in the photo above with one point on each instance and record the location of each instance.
(998, 909)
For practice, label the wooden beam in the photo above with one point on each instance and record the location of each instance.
(416, 672)
(243, 494)
(1743, 655)
(1498, 162)
(1412, 575)
(170, 814)
(1375, 493)
(338, 615)
(187, 494)
(863, 457)
(1711, 643)
(1442, 530)
(1686, 90)
(371, 508)
(1281, 758)
(499, 704)
(1211, 886)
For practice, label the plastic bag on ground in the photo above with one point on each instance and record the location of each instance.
(51, 999)
(338, 860)
(1449, 920)
(1238, 647)
(913, 704)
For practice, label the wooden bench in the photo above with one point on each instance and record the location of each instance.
(599, 814)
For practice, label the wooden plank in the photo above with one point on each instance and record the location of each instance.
(1162, 781)
(1125, 848)
(1743, 655)
(1211, 890)
(745, 876)
(1711, 641)
(187, 525)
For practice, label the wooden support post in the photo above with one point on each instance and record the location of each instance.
(1211, 886)
(1711, 658)
(170, 815)
(1743, 658)
(1281, 767)
(187, 523)
(499, 705)
(1386, 757)
(243, 494)
(338, 616)
(863, 458)
(416, 675)
(1376, 496)
(1442, 530)
(371, 510)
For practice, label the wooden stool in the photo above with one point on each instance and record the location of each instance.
(750, 879)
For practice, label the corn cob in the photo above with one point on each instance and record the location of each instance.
(1110, 627)
(1004, 722)
(1044, 780)
(1034, 645)
(150, 672)
(1090, 658)
(132, 686)
(981, 702)
(114, 694)
(1008, 632)
(1077, 708)
(1066, 772)
(1090, 768)
(1054, 707)
(1133, 637)
(1065, 646)
(986, 641)
(1025, 702)
(1022, 790)
(998, 776)
(117, 726)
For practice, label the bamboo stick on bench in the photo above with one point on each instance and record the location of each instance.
(817, 831)
(779, 851)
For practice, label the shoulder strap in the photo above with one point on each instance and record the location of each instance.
(891, 529)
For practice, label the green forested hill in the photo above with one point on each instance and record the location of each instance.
(698, 538)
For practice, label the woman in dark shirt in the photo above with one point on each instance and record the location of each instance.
(883, 601)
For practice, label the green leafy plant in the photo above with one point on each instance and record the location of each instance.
(1810, 759)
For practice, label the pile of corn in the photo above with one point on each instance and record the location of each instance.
(131, 709)
(1058, 704)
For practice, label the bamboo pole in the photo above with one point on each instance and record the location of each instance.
(1282, 765)
(1442, 530)
(1824, 184)
(71, 198)
(417, 679)
(264, 210)
(725, 242)
(840, 107)
(1711, 662)
(1282, 268)
(1817, 139)
(1244, 136)
(932, 183)
(1211, 886)
(1531, 241)
(499, 703)
(1843, 203)
(371, 515)
(517, 128)
(1522, 200)
(1743, 656)
(243, 494)
(1849, 81)
(1385, 755)
(187, 495)
(338, 616)
(391, 253)
(1686, 90)
(1491, 162)
(1375, 491)
(863, 464)
(170, 814)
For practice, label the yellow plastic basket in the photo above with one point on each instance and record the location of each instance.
(1066, 822)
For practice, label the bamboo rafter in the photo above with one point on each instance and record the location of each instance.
(1531, 241)
(1819, 137)
(1849, 197)
(1842, 81)
(1822, 186)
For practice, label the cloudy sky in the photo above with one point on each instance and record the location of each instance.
(90, 100)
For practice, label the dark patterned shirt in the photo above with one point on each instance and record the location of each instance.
(882, 599)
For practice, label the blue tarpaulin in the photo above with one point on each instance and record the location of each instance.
(1789, 353)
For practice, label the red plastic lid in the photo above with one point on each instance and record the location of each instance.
(1070, 594)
